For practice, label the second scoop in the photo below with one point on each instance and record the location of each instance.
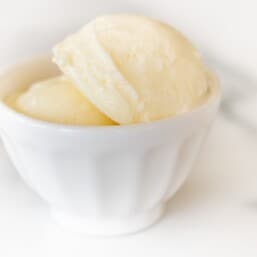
(57, 100)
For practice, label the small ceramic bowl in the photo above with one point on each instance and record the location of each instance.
(108, 180)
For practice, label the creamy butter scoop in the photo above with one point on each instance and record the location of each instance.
(133, 68)
(57, 100)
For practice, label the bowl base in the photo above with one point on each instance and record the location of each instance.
(108, 227)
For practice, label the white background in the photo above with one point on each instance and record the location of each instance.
(215, 213)
(225, 29)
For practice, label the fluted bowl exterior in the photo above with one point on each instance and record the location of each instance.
(102, 180)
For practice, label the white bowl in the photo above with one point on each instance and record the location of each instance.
(101, 180)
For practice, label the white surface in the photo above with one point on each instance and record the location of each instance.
(214, 214)
(105, 180)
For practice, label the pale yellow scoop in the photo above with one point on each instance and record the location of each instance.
(133, 68)
(57, 100)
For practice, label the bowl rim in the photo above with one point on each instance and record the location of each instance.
(214, 97)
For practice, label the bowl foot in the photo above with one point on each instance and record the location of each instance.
(108, 227)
